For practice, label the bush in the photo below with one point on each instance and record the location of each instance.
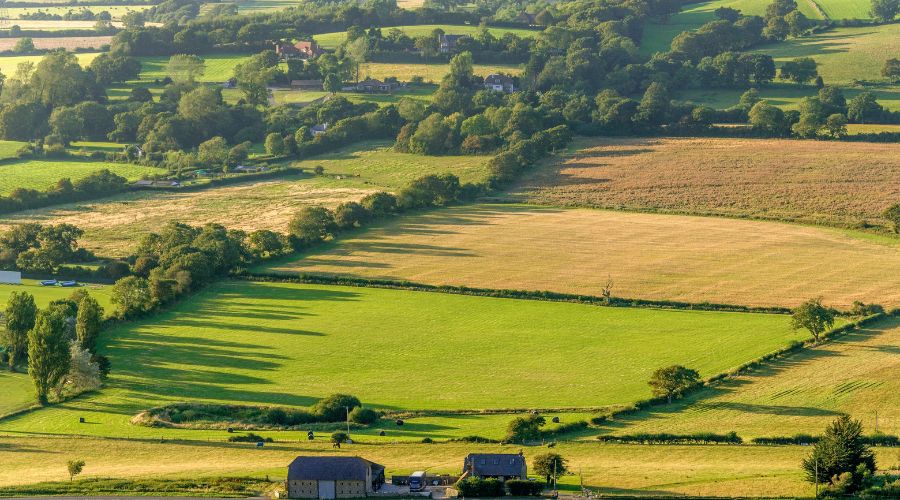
(661, 438)
(249, 438)
(522, 488)
(477, 487)
(334, 408)
(365, 416)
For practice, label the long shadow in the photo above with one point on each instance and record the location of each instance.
(707, 398)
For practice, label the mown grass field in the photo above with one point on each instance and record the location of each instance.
(114, 225)
(17, 392)
(251, 343)
(858, 375)
(303, 97)
(809, 181)
(608, 469)
(8, 149)
(332, 40)
(647, 256)
(43, 174)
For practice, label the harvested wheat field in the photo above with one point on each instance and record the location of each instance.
(858, 375)
(114, 226)
(835, 183)
(648, 256)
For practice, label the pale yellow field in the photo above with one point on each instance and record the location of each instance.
(647, 256)
(610, 469)
(430, 72)
(859, 375)
(114, 226)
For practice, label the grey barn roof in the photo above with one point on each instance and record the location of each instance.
(495, 464)
(330, 469)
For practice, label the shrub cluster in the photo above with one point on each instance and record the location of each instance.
(523, 488)
(874, 440)
(506, 166)
(666, 438)
(478, 487)
(250, 438)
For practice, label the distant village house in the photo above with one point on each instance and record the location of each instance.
(500, 83)
(333, 477)
(447, 43)
(370, 85)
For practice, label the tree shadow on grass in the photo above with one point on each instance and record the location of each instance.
(707, 399)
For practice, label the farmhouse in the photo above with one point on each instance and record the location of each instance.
(304, 49)
(447, 43)
(373, 85)
(500, 83)
(503, 466)
(333, 477)
(318, 129)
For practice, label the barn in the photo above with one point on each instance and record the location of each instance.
(333, 477)
(503, 466)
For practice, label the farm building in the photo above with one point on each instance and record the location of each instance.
(447, 43)
(318, 129)
(333, 477)
(503, 466)
(500, 83)
(306, 84)
(304, 49)
(373, 85)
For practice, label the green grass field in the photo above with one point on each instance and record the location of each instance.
(8, 148)
(844, 9)
(303, 97)
(784, 96)
(858, 375)
(17, 392)
(332, 40)
(116, 11)
(43, 174)
(252, 343)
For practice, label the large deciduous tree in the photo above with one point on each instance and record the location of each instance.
(673, 381)
(48, 352)
(550, 465)
(813, 316)
(885, 10)
(20, 315)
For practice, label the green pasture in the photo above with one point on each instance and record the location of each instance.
(305, 97)
(43, 174)
(375, 164)
(844, 9)
(8, 149)
(287, 344)
(332, 40)
(43, 295)
(17, 392)
(219, 67)
(785, 96)
(844, 54)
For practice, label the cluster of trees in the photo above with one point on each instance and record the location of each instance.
(58, 95)
(484, 45)
(82, 14)
(38, 248)
(824, 115)
(100, 183)
(58, 344)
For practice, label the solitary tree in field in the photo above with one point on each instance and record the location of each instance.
(813, 316)
(185, 68)
(75, 468)
(673, 381)
(550, 465)
(892, 213)
(891, 69)
(840, 451)
(339, 438)
(20, 315)
(885, 10)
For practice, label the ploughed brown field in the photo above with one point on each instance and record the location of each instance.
(650, 256)
(835, 183)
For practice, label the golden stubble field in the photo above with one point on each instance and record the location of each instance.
(114, 226)
(835, 183)
(647, 256)
(610, 469)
